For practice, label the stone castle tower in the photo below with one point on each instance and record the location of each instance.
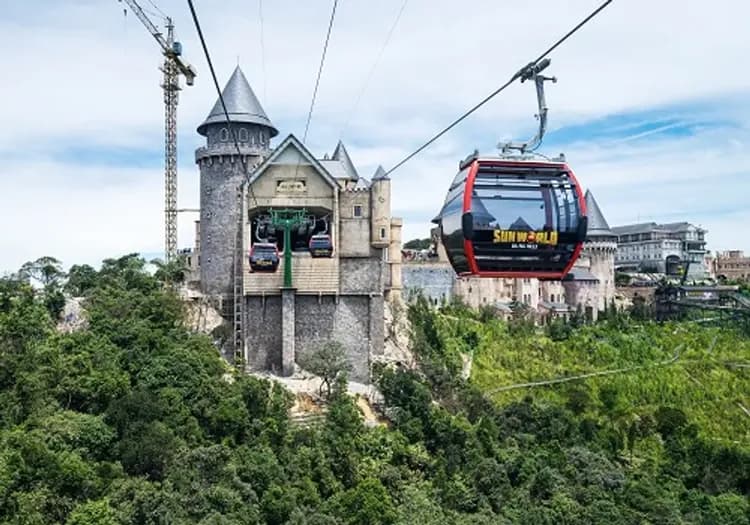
(591, 283)
(221, 173)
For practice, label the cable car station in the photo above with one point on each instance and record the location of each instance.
(299, 251)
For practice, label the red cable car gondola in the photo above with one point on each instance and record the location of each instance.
(515, 216)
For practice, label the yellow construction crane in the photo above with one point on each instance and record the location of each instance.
(173, 67)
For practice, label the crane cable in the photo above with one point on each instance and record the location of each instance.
(519, 74)
(162, 13)
(320, 71)
(368, 78)
(232, 132)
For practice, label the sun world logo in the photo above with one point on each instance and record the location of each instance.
(514, 237)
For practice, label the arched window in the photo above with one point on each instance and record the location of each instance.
(243, 134)
(224, 135)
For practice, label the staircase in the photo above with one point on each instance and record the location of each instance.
(309, 276)
(308, 420)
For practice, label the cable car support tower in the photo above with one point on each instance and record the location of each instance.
(173, 67)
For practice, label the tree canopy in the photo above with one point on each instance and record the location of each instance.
(418, 244)
(136, 420)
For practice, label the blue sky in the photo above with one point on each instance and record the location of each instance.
(650, 108)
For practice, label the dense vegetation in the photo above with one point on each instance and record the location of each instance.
(134, 420)
(418, 244)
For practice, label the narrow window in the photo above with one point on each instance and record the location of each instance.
(358, 211)
(382, 233)
(243, 135)
(224, 136)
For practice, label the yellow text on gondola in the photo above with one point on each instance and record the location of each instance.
(511, 236)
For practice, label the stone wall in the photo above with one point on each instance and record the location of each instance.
(354, 239)
(357, 322)
(552, 291)
(263, 333)
(435, 280)
(219, 183)
(361, 275)
(603, 267)
(584, 294)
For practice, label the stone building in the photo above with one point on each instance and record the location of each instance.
(661, 248)
(590, 285)
(331, 298)
(731, 264)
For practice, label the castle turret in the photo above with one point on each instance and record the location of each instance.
(381, 209)
(600, 248)
(590, 285)
(221, 173)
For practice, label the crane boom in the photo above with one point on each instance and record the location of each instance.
(173, 66)
(167, 47)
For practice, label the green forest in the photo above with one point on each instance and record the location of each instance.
(133, 419)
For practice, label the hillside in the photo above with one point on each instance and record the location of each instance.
(133, 419)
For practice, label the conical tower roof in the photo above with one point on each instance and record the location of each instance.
(340, 154)
(597, 224)
(380, 174)
(242, 105)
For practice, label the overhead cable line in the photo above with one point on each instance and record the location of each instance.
(521, 73)
(320, 71)
(232, 132)
(372, 69)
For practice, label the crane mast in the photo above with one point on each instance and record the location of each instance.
(173, 67)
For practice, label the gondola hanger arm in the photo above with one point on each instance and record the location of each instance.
(532, 71)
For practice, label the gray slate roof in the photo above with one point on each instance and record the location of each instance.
(242, 105)
(646, 227)
(580, 274)
(380, 174)
(643, 227)
(340, 154)
(598, 226)
(335, 168)
(559, 307)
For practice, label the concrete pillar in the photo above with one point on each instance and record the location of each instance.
(377, 325)
(287, 331)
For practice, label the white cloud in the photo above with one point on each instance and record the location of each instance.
(78, 74)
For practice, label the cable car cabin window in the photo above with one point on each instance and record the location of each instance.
(524, 221)
(452, 232)
(451, 225)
